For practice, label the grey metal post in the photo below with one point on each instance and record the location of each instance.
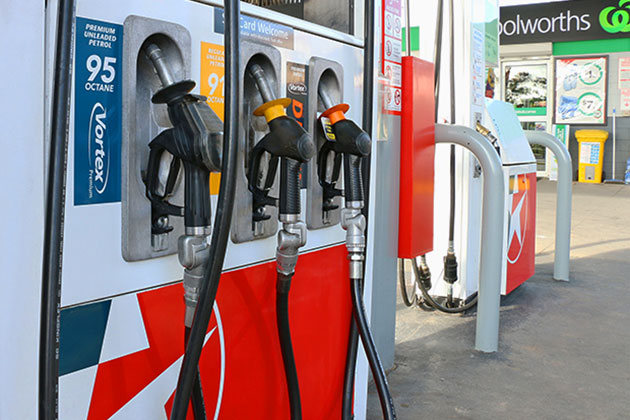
(492, 221)
(563, 200)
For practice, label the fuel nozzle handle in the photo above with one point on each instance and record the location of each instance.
(352, 142)
(286, 140)
(195, 139)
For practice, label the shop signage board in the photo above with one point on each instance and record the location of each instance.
(624, 86)
(578, 20)
(624, 72)
(624, 107)
(580, 90)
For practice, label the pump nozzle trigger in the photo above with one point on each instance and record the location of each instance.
(328, 176)
(260, 190)
(160, 206)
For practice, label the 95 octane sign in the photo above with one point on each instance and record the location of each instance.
(97, 112)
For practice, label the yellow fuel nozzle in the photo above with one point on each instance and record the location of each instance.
(273, 109)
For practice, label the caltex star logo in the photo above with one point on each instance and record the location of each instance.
(142, 384)
(518, 219)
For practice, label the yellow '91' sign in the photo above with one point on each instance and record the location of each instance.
(212, 86)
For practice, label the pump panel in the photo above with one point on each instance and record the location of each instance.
(251, 130)
(329, 74)
(417, 156)
(142, 121)
(121, 359)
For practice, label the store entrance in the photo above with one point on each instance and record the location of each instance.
(527, 85)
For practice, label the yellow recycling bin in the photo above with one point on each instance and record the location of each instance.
(591, 144)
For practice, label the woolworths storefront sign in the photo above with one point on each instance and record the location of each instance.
(565, 21)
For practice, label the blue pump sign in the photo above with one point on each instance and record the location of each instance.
(97, 112)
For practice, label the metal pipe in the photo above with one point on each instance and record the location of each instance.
(614, 156)
(492, 221)
(437, 55)
(265, 90)
(408, 21)
(451, 49)
(563, 200)
(325, 97)
(161, 66)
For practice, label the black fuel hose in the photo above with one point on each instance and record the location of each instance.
(348, 378)
(451, 222)
(437, 56)
(409, 302)
(283, 286)
(198, 405)
(223, 218)
(368, 116)
(435, 304)
(53, 224)
(378, 373)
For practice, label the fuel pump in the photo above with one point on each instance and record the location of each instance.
(293, 146)
(195, 140)
(450, 269)
(204, 264)
(352, 144)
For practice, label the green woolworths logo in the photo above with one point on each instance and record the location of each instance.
(619, 21)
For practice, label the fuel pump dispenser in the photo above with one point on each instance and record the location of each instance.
(173, 145)
(353, 144)
(195, 140)
(290, 143)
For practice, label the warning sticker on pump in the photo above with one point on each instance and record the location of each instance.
(393, 49)
(97, 112)
(392, 99)
(393, 73)
(327, 128)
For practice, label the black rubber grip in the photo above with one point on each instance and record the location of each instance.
(289, 186)
(197, 211)
(352, 177)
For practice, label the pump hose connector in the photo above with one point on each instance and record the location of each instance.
(425, 273)
(450, 268)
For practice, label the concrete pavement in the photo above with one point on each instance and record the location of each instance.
(564, 349)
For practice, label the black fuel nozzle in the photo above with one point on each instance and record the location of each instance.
(425, 274)
(350, 141)
(328, 171)
(195, 140)
(450, 268)
(287, 141)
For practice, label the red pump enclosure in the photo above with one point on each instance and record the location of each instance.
(417, 157)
